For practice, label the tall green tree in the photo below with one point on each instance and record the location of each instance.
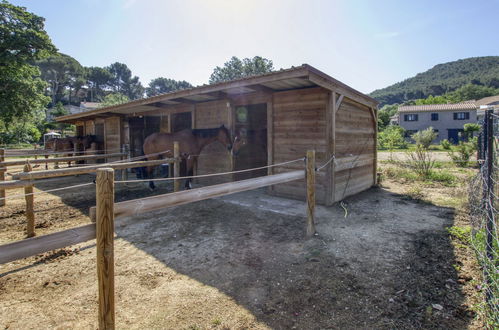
(164, 85)
(113, 99)
(122, 81)
(63, 73)
(23, 40)
(97, 82)
(236, 68)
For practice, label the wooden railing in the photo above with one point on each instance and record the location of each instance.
(106, 211)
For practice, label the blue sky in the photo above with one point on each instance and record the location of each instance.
(365, 44)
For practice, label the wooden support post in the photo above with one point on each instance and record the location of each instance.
(310, 193)
(124, 173)
(176, 166)
(46, 163)
(105, 247)
(2, 176)
(30, 208)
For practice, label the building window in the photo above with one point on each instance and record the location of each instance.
(461, 115)
(411, 117)
(434, 116)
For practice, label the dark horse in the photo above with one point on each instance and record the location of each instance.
(191, 142)
(69, 145)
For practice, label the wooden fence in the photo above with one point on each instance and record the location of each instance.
(107, 210)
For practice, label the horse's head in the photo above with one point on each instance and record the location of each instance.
(238, 143)
(223, 137)
(86, 141)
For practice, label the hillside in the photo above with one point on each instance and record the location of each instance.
(442, 78)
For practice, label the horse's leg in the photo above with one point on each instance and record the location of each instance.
(149, 173)
(189, 169)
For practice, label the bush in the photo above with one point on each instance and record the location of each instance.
(445, 144)
(444, 177)
(463, 153)
(392, 137)
(425, 137)
(420, 161)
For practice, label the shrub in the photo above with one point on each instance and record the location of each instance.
(444, 177)
(463, 153)
(421, 161)
(391, 138)
(445, 144)
(425, 137)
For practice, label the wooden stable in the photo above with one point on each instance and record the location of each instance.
(281, 115)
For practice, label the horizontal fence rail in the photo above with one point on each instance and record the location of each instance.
(138, 206)
(60, 159)
(89, 169)
(41, 244)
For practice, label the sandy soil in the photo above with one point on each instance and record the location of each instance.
(241, 262)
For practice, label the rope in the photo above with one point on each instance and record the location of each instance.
(213, 174)
(327, 163)
(48, 191)
(343, 205)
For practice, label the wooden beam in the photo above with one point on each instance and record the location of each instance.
(2, 177)
(176, 166)
(14, 184)
(142, 205)
(41, 244)
(330, 114)
(105, 246)
(262, 89)
(89, 169)
(30, 207)
(338, 102)
(310, 193)
(59, 159)
(184, 100)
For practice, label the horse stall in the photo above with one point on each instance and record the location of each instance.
(278, 116)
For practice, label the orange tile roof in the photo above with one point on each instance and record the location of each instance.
(438, 107)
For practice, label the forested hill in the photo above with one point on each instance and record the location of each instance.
(441, 79)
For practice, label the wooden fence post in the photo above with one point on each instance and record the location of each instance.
(2, 176)
(124, 172)
(30, 207)
(105, 247)
(176, 166)
(310, 177)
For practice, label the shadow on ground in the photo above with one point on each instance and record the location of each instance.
(388, 264)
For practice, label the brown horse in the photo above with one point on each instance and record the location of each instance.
(191, 142)
(66, 146)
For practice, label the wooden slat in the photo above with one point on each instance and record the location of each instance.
(59, 159)
(41, 244)
(89, 169)
(139, 206)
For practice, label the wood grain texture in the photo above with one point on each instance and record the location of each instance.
(88, 169)
(176, 166)
(105, 246)
(61, 159)
(139, 206)
(30, 207)
(2, 177)
(310, 193)
(41, 244)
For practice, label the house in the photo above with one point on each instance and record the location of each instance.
(283, 114)
(446, 119)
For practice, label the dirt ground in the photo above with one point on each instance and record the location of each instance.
(241, 262)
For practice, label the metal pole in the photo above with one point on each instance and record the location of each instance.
(490, 203)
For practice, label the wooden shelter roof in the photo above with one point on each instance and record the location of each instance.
(300, 77)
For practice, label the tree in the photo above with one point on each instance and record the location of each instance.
(22, 41)
(58, 111)
(63, 73)
(471, 92)
(97, 81)
(236, 68)
(384, 115)
(122, 81)
(164, 85)
(391, 138)
(425, 137)
(114, 99)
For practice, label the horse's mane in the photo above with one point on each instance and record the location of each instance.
(206, 132)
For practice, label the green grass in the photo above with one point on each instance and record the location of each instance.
(412, 146)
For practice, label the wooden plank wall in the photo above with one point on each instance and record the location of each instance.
(112, 135)
(214, 157)
(299, 124)
(355, 149)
